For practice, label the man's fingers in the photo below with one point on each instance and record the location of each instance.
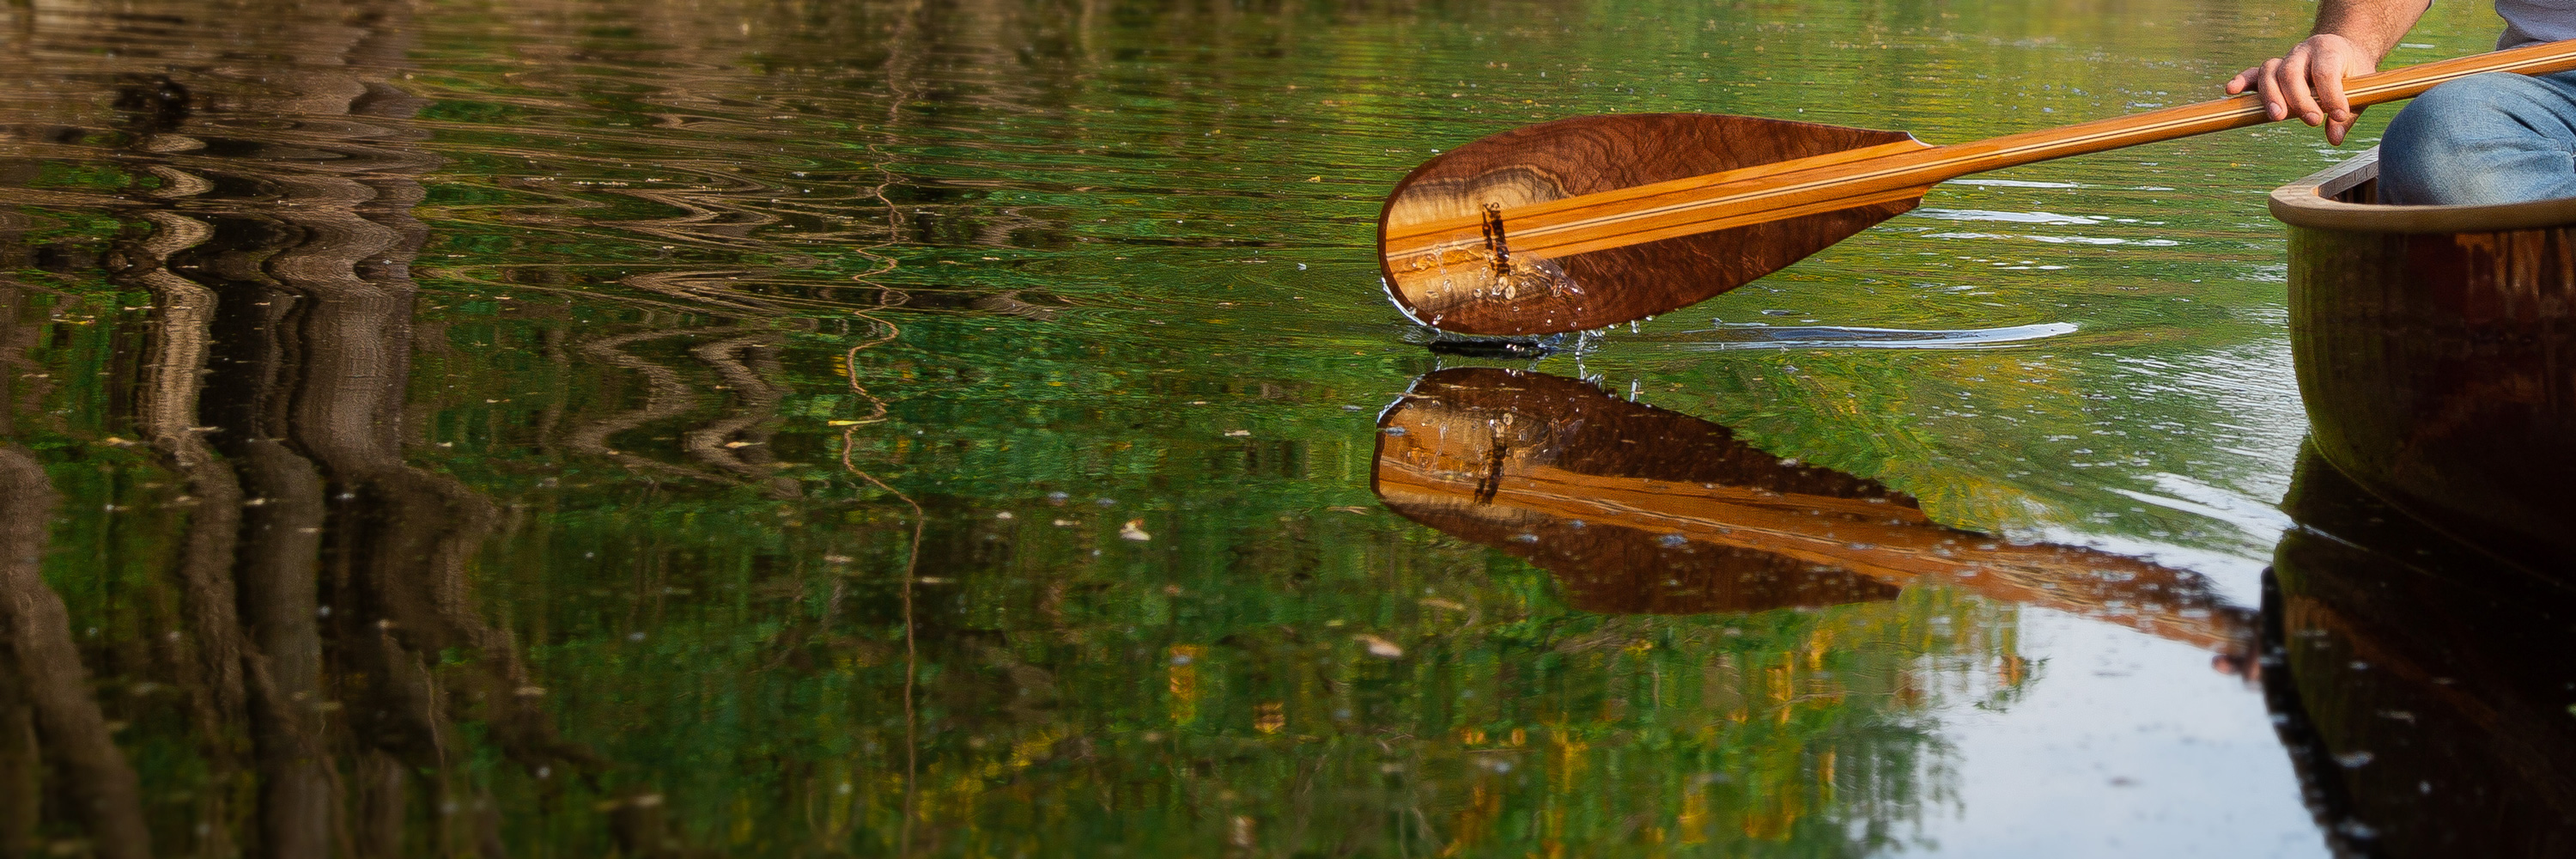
(2295, 69)
(2243, 80)
(2330, 94)
(2348, 62)
(2307, 83)
(2336, 130)
(2267, 83)
(2330, 97)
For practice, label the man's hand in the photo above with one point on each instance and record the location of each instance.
(2308, 83)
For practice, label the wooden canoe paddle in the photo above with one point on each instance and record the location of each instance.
(1592, 221)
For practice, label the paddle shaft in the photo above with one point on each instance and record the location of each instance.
(1896, 171)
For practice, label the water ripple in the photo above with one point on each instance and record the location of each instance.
(2007, 217)
(2061, 240)
(1757, 336)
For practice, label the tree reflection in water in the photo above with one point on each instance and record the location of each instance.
(46, 712)
(324, 628)
(686, 582)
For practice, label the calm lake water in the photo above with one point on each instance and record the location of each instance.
(976, 428)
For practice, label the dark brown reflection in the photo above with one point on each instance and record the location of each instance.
(48, 721)
(339, 672)
(1639, 509)
(2424, 688)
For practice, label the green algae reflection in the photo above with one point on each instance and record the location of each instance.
(894, 428)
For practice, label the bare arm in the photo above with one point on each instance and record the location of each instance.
(2350, 37)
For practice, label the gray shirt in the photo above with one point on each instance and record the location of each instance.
(2529, 21)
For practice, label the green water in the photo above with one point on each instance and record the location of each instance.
(565, 429)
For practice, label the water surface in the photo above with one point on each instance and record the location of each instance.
(897, 428)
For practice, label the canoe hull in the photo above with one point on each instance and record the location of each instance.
(2436, 354)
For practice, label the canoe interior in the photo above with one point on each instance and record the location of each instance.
(2438, 368)
(2361, 191)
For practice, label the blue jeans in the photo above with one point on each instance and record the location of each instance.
(2491, 138)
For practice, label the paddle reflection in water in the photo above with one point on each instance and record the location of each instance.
(2422, 686)
(1637, 509)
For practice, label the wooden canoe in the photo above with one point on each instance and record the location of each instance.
(2436, 354)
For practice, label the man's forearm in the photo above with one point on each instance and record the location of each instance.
(2372, 25)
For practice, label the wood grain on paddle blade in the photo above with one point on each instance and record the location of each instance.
(1481, 286)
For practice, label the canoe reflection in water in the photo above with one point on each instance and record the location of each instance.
(2420, 686)
(1635, 509)
(2423, 687)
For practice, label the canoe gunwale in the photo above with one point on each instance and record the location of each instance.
(2310, 202)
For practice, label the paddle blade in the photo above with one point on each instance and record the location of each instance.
(1486, 288)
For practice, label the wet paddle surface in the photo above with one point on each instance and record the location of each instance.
(886, 429)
